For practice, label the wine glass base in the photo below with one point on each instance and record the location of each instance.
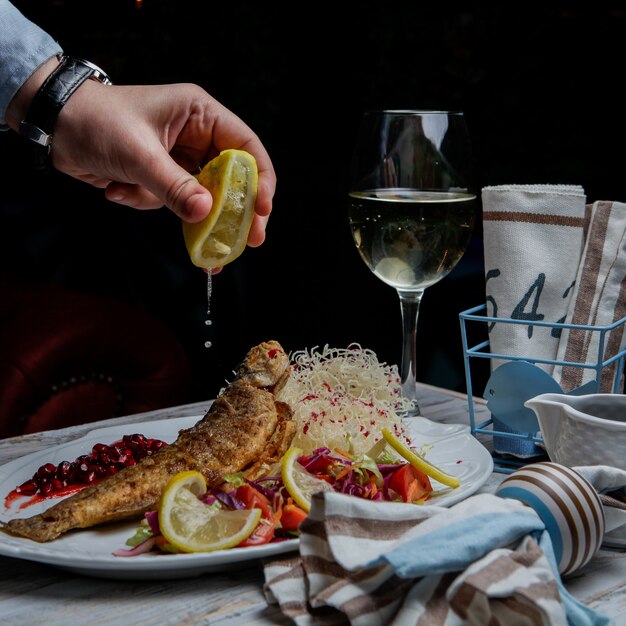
(413, 411)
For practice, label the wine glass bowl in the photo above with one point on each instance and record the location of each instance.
(411, 239)
(412, 208)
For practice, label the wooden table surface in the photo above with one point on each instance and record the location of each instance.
(37, 594)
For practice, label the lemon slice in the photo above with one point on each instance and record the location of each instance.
(192, 526)
(299, 483)
(218, 239)
(419, 462)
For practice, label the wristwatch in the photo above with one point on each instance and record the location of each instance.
(52, 96)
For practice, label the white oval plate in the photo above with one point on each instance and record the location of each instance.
(89, 552)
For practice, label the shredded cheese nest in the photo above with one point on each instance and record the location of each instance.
(343, 398)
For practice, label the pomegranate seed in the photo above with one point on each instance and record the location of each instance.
(28, 488)
(46, 470)
(63, 469)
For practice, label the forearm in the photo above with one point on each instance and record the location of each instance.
(24, 48)
(17, 108)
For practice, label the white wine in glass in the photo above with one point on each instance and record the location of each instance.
(412, 209)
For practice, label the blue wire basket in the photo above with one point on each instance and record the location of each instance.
(477, 321)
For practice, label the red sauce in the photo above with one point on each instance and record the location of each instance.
(15, 495)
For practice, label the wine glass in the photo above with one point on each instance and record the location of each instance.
(412, 209)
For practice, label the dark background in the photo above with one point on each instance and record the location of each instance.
(538, 84)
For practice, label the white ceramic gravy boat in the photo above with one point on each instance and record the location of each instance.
(582, 430)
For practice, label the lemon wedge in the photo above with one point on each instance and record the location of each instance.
(300, 484)
(420, 462)
(192, 526)
(232, 178)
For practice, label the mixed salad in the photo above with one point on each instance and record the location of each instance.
(378, 475)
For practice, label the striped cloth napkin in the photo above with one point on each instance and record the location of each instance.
(610, 483)
(485, 560)
(599, 299)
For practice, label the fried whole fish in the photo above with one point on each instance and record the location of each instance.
(244, 429)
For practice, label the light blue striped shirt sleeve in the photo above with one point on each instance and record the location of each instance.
(23, 48)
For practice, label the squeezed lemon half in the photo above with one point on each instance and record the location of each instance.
(420, 462)
(192, 526)
(299, 483)
(221, 237)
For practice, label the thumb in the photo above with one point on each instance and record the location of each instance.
(177, 189)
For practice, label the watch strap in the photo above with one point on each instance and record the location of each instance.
(56, 90)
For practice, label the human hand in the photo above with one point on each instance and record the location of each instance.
(140, 144)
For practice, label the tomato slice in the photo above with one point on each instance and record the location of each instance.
(319, 466)
(254, 499)
(292, 516)
(264, 532)
(410, 483)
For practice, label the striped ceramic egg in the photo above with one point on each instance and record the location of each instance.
(567, 504)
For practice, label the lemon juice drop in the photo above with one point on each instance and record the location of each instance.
(209, 293)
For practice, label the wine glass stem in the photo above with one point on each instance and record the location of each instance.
(409, 307)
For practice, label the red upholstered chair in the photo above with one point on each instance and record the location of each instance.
(72, 358)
